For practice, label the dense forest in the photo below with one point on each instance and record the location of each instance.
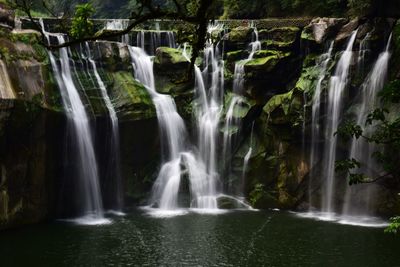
(243, 9)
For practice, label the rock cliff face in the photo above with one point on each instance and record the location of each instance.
(279, 83)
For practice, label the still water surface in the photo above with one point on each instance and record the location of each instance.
(240, 238)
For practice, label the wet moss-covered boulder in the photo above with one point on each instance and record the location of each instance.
(266, 68)
(130, 98)
(240, 34)
(234, 56)
(284, 108)
(283, 38)
(170, 60)
(238, 38)
(281, 34)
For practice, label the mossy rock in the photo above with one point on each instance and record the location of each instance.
(284, 108)
(130, 98)
(233, 56)
(170, 59)
(240, 34)
(242, 108)
(277, 45)
(264, 63)
(267, 53)
(281, 34)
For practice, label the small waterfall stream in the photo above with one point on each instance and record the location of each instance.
(210, 91)
(337, 86)
(178, 160)
(360, 149)
(322, 63)
(172, 131)
(114, 160)
(231, 123)
(92, 208)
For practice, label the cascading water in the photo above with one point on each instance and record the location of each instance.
(6, 89)
(155, 39)
(118, 25)
(92, 206)
(171, 39)
(360, 149)
(209, 89)
(173, 132)
(114, 160)
(247, 158)
(176, 154)
(238, 83)
(337, 86)
(363, 53)
(322, 64)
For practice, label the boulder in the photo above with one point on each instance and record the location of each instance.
(130, 98)
(281, 34)
(238, 38)
(321, 29)
(170, 60)
(7, 15)
(240, 34)
(347, 30)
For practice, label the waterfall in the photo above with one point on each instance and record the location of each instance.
(92, 206)
(247, 158)
(114, 160)
(322, 64)
(140, 39)
(118, 25)
(360, 149)
(6, 89)
(230, 126)
(238, 85)
(171, 39)
(176, 155)
(337, 86)
(155, 39)
(363, 52)
(210, 87)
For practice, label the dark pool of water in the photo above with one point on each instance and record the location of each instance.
(263, 238)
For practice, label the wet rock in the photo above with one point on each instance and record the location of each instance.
(347, 30)
(321, 29)
(282, 34)
(130, 98)
(6, 15)
(170, 59)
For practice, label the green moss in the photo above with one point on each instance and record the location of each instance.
(271, 44)
(130, 97)
(169, 55)
(307, 35)
(240, 34)
(307, 80)
(234, 56)
(281, 34)
(283, 101)
(267, 53)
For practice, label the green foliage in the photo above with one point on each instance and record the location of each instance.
(81, 26)
(282, 8)
(391, 92)
(394, 226)
(360, 7)
(349, 130)
(349, 164)
(257, 193)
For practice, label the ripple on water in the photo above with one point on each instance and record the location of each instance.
(362, 221)
(89, 220)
